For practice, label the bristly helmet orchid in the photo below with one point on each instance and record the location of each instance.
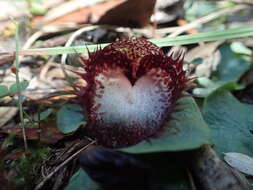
(132, 88)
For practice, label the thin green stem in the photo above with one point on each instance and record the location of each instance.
(20, 105)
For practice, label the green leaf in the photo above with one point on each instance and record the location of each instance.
(230, 122)
(43, 115)
(210, 86)
(187, 131)
(230, 69)
(197, 9)
(3, 91)
(197, 61)
(81, 181)
(239, 48)
(232, 65)
(14, 88)
(69, 118)
(37, 9)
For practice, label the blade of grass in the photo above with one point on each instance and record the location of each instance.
(205, 37)
(20, 106)
(239, 32)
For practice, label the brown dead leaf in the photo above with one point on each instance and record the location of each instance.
(182, 22)
(2, 151)
(211, 57)
(31, 133)
(208, 66)
(202, 51)
(13, 156)
(7, 113)
(113, 12)
(50, 133)
(130, 13)
(4, 184)
(47, 133)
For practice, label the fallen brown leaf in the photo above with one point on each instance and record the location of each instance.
(6, 114)
(130, 13)
(114, 12)
(13, 156)
(47, 133)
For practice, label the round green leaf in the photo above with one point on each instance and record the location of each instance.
(69, 118)
(230, 121)
(3, 91)
(187, 131)
(14, 88)
(232, 65)
(43, 115)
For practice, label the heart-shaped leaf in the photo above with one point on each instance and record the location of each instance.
(3, 91)
(232, 65)
(187, 131)
(69, 118)
(230, 121)
(42, 115)
(14, 88)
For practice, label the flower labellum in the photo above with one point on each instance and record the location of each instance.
(132, 88)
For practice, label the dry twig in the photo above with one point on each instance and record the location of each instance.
(40, 185)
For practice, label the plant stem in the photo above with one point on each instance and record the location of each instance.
(20, 106)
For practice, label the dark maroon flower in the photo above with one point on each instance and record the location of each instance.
(132, 88)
